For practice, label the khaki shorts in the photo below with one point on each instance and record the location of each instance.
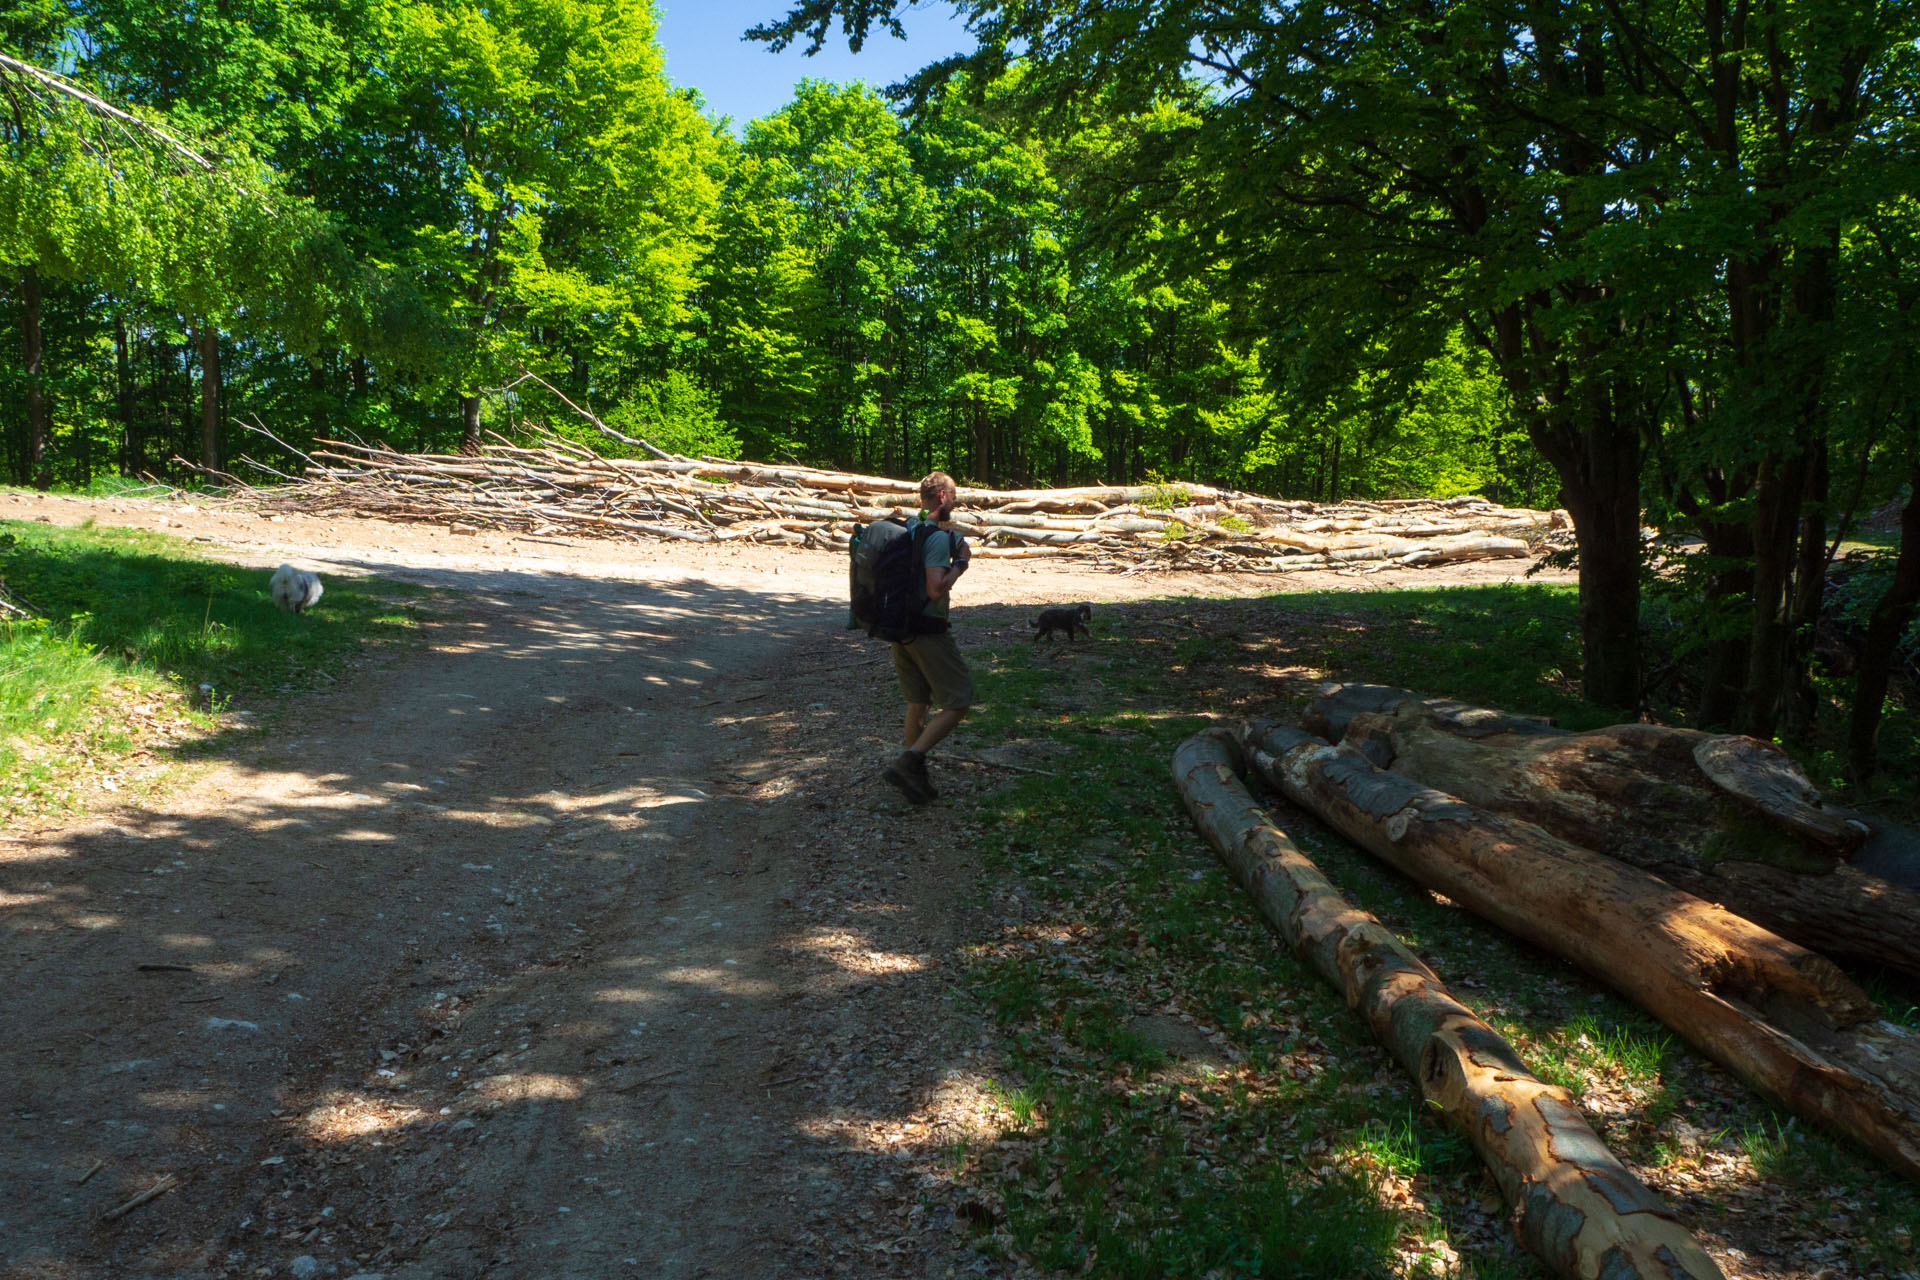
(932, 670)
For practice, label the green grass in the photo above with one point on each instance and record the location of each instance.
(1301, 1148)
(144, 637)
(1512, 646)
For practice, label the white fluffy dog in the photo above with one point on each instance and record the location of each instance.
(293, 589)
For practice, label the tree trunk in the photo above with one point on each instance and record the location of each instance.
(1781, 1018)
(123, 394)
(1728, 819)
(1776, 510)
(160, 362)
(209, 397)
(1799, 701)
(1726, 655)
(1891, 618)
(1606, 528)
(318, 400)
(1575, 1206)
(470, 425)
(33, 352)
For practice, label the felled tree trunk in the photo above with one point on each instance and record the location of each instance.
(1575, 1206)
(1729, 819)
(1778, 1016)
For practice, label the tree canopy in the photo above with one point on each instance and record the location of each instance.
(1655, 265)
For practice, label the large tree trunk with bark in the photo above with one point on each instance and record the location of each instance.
(1728, 819)
(1604, 501)
(33, 355)
(1575, 1206)
(470, 425)
(1783, 1019)
(1891, 618)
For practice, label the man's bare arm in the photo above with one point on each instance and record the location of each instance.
(940, 579)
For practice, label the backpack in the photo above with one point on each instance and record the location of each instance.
(887, 581)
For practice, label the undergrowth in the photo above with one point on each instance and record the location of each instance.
(1192, 1101)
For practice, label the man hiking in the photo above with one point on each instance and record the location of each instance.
(930, 668)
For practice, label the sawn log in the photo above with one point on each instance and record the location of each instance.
(1575, 1205)
(1783, 1019)
(1727, 818)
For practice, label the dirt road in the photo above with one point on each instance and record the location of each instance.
(581, 944)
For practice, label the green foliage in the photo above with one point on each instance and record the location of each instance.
(409, 203)
(562, 187)
(674, 413)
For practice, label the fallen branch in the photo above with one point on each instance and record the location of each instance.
(602, 427)
(1576, 1207)
(999, 764)
(167, 1183)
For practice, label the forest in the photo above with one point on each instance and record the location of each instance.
(1657, 266)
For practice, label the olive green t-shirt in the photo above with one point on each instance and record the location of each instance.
(937, 554)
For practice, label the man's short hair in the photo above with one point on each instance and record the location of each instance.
(934, 487)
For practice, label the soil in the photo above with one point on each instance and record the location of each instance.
(583, 942)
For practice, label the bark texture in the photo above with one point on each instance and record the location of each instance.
(33, 354)
(1890, 620)
(209, 397)
(1727, 818)
(1783, 1019)
(1575, 1205)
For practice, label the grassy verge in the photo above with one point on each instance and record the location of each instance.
(1180, 1097)
(144, 645)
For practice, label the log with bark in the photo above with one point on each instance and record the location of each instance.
(1575, 1205)
(1727, 818)
(1780, 1017)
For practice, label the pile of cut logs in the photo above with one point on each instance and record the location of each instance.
(1701, 875)
(559, 486)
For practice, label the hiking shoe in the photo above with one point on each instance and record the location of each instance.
(908, 775)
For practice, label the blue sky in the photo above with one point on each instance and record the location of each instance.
(743, 80)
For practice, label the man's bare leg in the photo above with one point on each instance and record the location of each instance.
(916, 721)
(936, 728)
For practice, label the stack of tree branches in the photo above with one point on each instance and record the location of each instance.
(556, 485)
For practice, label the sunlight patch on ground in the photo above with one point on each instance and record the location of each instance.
(855, 954)
(720, 980)
(527, 1086)
(960, 1112)
(346, 1116)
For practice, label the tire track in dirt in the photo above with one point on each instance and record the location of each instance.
(507, 949)
(581, 944)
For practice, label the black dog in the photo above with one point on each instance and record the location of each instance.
(1070, 620)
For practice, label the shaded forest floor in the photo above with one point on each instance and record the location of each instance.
(580, 940)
